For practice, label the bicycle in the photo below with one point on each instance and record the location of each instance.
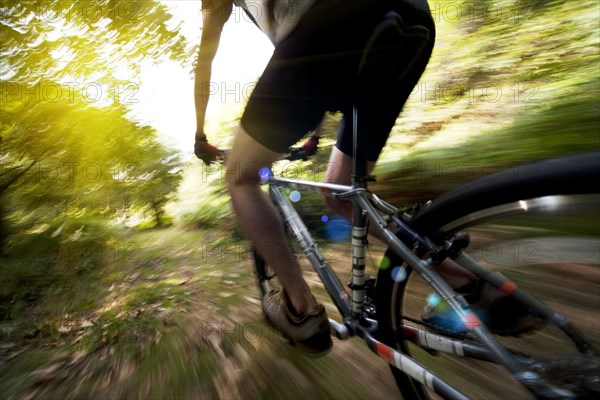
(378, 309)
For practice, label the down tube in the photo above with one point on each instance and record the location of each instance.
(293, 221)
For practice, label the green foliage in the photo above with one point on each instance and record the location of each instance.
(61, 38)
(570, 125)
(508, 83)
(74, 165)
(202, 200)
(67, 139)
(69, 149)
(120, 329)
(80, 171)
(49, 256)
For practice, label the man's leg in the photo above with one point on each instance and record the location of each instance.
(260, 221)
(339, 171)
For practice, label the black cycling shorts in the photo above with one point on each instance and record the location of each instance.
(312, 72)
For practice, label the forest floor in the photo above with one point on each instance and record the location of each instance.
(181, 318)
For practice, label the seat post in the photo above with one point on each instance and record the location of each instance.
(359, 168)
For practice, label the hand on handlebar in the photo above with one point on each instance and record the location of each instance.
(307, 149)
(206, 151)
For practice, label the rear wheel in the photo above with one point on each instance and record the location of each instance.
(554, 258)
(549, 246)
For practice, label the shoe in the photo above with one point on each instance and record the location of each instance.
(503, 315)
(308, 332)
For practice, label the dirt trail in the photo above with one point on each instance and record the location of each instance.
(217, 357)
(205, 351)
(216, 345)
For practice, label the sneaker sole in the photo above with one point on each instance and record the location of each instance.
(317, 345)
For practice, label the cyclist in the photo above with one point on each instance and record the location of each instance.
(318, 44)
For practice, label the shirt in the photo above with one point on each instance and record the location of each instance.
(276, 18)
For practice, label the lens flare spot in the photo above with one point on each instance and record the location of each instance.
(399, 274)
(338, 229)
(384, 263)
(433, 299)
(324, 218)
(295, 196)
(264, 174)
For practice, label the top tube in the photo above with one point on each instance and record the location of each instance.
(310, 186)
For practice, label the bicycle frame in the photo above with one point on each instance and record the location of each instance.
(368, 207)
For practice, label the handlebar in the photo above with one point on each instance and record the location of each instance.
(295, 154)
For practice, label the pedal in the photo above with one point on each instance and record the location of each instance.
(338, 330)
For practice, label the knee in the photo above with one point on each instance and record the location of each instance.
(245, 162)
(238, 175)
